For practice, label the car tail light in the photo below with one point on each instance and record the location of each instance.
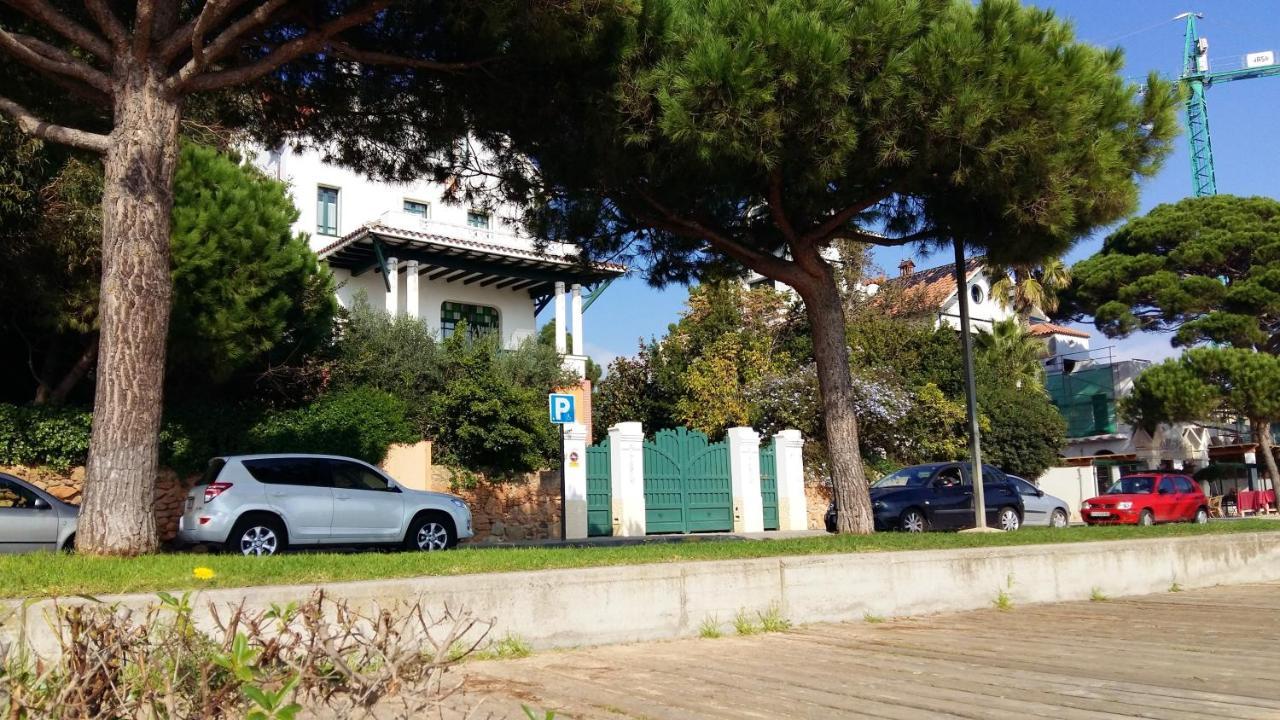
(213, 490)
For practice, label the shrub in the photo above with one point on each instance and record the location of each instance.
(360, 423)
(484, 406)
(53, 436)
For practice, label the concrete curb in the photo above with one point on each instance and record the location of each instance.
(616, 604)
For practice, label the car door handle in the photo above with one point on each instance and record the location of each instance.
(278, 494)
(341, 497)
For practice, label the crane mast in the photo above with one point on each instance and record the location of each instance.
(1198, 77)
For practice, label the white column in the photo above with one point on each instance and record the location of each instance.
(577, 320)
(575, 481)
(411, 289)
(393, 286)
(1114, 472)
(626, 468)
(793, 506)
(561, 330)
(744, 476)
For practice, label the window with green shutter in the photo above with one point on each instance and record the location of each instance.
(480, 319)
(326, 211)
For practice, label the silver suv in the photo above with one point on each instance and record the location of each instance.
(261, 504)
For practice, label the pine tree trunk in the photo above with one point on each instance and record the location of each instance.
(825, 310)
(1262, 435)
(116, 517)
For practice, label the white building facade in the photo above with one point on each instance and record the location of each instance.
(405, 249)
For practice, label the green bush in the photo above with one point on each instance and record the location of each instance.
(484, 406)
(359, 423)
(54, 436)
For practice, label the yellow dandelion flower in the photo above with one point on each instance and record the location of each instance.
(203, 573)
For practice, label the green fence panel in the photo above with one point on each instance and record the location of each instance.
(599, 491)
(769, 486)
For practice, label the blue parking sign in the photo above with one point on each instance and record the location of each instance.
(562, 408)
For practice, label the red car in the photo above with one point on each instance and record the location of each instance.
(1146, 500)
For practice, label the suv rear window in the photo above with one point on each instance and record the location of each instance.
(211, 473)
(285, 471)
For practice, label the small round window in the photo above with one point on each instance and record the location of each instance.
(975, 292)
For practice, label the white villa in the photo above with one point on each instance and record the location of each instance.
(445, 263)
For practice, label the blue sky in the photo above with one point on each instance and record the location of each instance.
(1244, 117)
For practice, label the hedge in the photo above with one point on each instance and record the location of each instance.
(359, 422)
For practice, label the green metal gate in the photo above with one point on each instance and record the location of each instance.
(769, 486)
(599, 491)
(686, 483)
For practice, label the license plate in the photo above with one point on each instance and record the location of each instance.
(1101, 513)
(190, 502)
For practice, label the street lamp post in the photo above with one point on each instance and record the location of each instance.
(970, 389)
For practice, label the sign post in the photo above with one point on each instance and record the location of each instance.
(563, 410)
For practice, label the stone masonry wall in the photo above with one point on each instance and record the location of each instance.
(526, 509)
(817, 495)
(171, 491)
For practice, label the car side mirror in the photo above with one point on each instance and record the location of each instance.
(40, 504)
(1039, 492)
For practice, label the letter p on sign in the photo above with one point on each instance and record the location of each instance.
(562, 408)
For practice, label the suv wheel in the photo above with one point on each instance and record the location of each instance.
(430, 534)
(257, 536)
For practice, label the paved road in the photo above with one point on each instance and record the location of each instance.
(1211, 653)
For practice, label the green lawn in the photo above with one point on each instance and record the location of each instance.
(44, 574)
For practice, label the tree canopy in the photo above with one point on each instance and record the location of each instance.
(1206, 269)
(740, 133)
(1242, 382)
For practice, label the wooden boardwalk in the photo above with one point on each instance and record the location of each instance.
(1211, 653)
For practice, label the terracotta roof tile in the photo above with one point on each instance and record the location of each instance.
(925, 290)
(1046, 329)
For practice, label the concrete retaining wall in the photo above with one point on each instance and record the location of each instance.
(566, 608)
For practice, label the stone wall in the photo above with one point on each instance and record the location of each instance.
(525, 509)
(171, 492)
(818, 496)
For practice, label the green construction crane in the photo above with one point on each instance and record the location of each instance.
(1198, 78)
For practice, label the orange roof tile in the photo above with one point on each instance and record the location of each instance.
(1047, 329)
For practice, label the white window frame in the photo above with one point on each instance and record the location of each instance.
(425, 216)
(488, 219)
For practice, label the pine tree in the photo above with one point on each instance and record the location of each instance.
(754, 134)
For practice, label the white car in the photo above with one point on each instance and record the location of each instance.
(262, 504)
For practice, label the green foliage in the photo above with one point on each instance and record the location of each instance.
(1023, 433)
(54, 436)
(1206, 269)
(243, 284)
(485, 407)
(1012, 354)
(357, 422)
(1243, 382)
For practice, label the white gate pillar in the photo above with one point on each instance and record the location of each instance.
(744, 476)
(575, 481)
(626, 471)
(793, 506)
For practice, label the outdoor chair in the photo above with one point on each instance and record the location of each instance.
(1215, 506)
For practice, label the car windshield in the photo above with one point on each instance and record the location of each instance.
(1139, 485)
(906, 477)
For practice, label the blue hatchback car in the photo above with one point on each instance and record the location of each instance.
(939, 496)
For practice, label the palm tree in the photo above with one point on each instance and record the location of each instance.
(1014, 353)
(1027, 288)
